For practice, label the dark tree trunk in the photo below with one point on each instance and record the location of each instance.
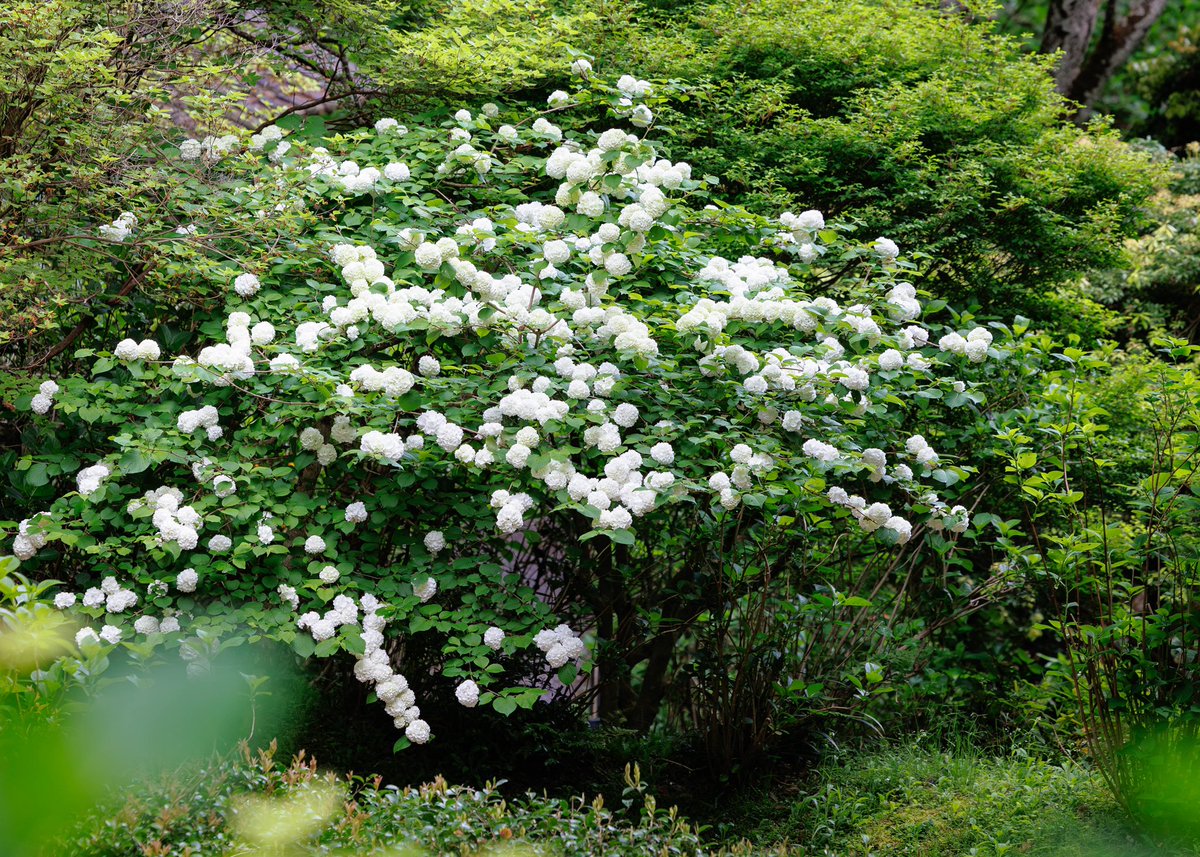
(1118, 40)
(1069, 27)
(1081, 74)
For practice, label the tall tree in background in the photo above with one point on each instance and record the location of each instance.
(1071, 27)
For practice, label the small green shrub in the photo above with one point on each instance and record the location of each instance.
(252, 802)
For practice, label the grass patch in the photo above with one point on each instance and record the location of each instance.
(917, 800)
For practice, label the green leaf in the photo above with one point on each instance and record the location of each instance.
(133, 462)
(504, 705)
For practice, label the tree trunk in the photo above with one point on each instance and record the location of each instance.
(1070, 24)
(1069, 27)
(1118, 41)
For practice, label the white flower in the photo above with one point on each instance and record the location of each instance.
(111, 634)
(581, 67)
(329, 574)
(625, 415)
(246, 285)
(618, 264)
(85, 636)
(493, 638)
(89, 479)
(429, 366)
(426, 589)
(428, 256)
(314, 545)
(356, 512)
(418, 730)
(186, 580)
(146, 625)
(558, 98)
(887, 249)
(467, 693)
(663, 453)
(41, 403)
(63, 600)
(120, 601)
(396, 172)
(435, 541)
(219, 544)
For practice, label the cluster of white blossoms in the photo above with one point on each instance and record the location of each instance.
(43, 400)
(560, 645)
(205, 417)
(120, 228)
(175, 522)
(227, 362)
(29, 539)
(956, 520)
(974, 346)
(270, 134)
(128, 349)
(375, 668)
(212, 148)
(110, 595)
(343, 612)
(89, 479)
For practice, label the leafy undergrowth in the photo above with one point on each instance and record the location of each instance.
(253, 805)
(894, 801)
(917, 801)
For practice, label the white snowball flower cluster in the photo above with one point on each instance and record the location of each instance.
(314, 545)
(287, 594)
(560, 645)
(205, 418)
(322, 627)
(110, 595)
(213, 148)
(887, 249)
(43, 400)
(247, 285)
(229, 361)
(387, 447)
(493, 638)
(510, 510)
(187, 580)
(467, 694)
(111, 634)
(919, 448)
(128, 349)
(435, 542)
(120, 228)
(356, 512)
(956, 520)
(374, 667)
(974, 346)
(174, 521)
(89, 479)
(425, 589)
(270, 134)
(30, 539)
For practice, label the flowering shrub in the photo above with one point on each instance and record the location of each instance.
(497, 369)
